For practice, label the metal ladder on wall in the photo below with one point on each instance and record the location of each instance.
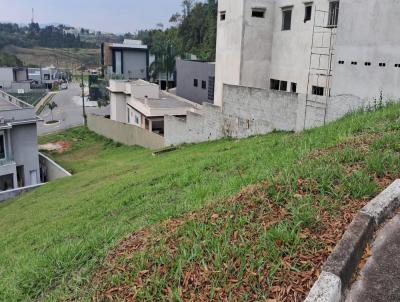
(320, 66)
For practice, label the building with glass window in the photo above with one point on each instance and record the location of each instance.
(19, 157)
(127, 60)
(319, 48)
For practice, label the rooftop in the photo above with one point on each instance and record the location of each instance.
(166, 101)
(6, 105)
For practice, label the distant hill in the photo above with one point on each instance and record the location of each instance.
(60, 57)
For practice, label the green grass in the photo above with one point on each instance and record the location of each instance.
(32, 97)
(55, 237)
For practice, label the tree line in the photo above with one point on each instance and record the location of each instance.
(33, 35)
(193, 32)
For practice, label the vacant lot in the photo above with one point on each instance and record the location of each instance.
(61, 57)
(192, 233)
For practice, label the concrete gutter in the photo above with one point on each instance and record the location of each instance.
(342, 263)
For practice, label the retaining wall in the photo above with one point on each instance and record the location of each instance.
(51, 169)
(124, 133)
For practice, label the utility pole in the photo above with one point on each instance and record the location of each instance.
(83, 98)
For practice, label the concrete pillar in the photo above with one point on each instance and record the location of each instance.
(150, 126)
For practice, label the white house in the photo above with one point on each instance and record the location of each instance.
(142, 104)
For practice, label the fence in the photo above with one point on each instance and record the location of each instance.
(124, 133)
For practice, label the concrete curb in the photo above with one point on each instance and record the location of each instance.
(339, 268)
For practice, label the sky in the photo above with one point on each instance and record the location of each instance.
(117, 16)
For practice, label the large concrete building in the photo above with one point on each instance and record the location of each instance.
(292, 64)
(195, 80)
(129, 60)
(318, 48)
(19, 157)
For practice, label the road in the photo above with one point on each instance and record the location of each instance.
(68, 111)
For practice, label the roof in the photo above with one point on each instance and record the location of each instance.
(166, 102)
(6, 105)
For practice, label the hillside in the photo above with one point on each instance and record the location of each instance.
(62, 57)
(227, 220)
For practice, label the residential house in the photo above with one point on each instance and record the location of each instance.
(14, 79)
(129, 60)
(195, 80)
(19, 158)
(142, 104)
(46, 76)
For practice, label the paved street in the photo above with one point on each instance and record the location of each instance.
(379, 280)
(69, 110)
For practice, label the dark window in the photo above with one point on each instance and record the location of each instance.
(333, 13)
(274, 84)
(211, 83)
(354, 63)
(341, 62)
(46, 77)
(293, 87)
(397, 65)
(382, 64)
(203, 84)
(286, 18)
(258, 13)
(308, 12)
(222, 16)
(316, 90)
(2, 147)
(196, 83)
(367, 63)
(283, 86)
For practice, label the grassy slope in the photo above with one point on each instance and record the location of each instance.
(63, 57)
(54, 237)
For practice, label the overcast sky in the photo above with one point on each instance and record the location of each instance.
(116, 16)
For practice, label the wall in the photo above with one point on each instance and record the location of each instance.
(186, 72)
(6, 195)
(246, 111)
(25, 150)
(135, 62)
(195, 128)
(52, 170)
(6, 77)
(118, 107)
(249, 111)
(229, 45)
(368, 32)
(123, 133)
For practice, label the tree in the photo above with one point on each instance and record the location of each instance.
(165, 48)
(187, 7)
(52, 106)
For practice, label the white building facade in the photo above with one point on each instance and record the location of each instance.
(320, 48)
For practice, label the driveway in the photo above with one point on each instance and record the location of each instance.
(68, 110)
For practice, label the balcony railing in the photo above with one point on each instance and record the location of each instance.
(14, 100)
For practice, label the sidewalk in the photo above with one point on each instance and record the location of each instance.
(379, 280)
(44, 100)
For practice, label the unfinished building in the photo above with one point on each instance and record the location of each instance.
(328, 57)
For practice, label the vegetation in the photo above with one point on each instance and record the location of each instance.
(309, 186)
(9, 60)
(52, 105)
(62, 57)
(32, 36)
(193, 32)
(32, 97)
